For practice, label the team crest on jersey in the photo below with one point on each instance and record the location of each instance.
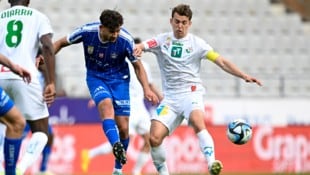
(189, 50)
(90, 49)
(114, 55)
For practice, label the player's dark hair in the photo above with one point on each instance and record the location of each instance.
(19, 2)
(137, 40)
(182, 10)
(111, 19)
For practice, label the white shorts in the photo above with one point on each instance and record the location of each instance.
(140, 119)
(27, 97)
(174, 109)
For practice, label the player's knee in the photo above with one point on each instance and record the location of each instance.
(16, 126)
(155, 140)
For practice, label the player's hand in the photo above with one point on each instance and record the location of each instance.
(151, 97)
(49, 94)
(91, 103)
(138, 50)
(39, 61)
(250, 79)
(21, 72)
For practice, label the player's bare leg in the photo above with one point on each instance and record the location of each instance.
(158, 133)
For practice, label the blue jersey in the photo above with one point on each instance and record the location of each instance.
(104, 58)
(107, 69)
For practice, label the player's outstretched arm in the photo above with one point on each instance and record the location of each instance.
(15, 68)
(59, 44)
(234, 70)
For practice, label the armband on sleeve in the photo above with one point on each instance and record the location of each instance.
(212, 55)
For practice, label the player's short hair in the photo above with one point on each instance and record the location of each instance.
(182, 10)
(26, 2)
(137, 40)
(111, 19)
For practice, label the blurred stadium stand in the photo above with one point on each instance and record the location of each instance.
(257, 35)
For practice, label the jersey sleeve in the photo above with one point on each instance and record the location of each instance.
(45, 26)
(130, 50)
(76, 36)
(150, 44)
(153, 43)
(208, 51)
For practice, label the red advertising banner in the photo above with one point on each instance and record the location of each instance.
(271, 149)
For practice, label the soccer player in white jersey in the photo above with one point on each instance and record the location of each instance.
(22, 30)
(179, 56)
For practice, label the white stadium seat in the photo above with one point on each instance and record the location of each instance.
(253, 37)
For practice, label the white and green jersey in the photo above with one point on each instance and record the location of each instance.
(179, 61)
(20, 31)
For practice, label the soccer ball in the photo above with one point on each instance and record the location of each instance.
(239, 131)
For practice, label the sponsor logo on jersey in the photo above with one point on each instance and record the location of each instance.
(177, 43)
(162, 110)
(167, 43)
(114, 55)
(152, 43)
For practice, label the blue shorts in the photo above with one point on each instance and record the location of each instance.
(115, 89)
(6, 103)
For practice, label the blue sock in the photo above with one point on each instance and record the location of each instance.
(45, 156)
(110, 130)
(125, 143)
(11, 153)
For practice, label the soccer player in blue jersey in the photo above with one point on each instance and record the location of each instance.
(106, 46)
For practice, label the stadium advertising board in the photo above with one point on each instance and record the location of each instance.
(271, 149)
(276, 112)
(71, 111)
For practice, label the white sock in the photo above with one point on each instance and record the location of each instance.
(117, 170)
(142, 159)
(104, 148)
(2, 136)
(206, 145)
(33, 151)
(159, 159)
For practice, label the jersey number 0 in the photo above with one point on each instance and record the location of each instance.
(14, 35)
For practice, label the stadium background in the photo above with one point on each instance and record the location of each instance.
(261, 37)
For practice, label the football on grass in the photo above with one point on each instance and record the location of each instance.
(239, 131)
